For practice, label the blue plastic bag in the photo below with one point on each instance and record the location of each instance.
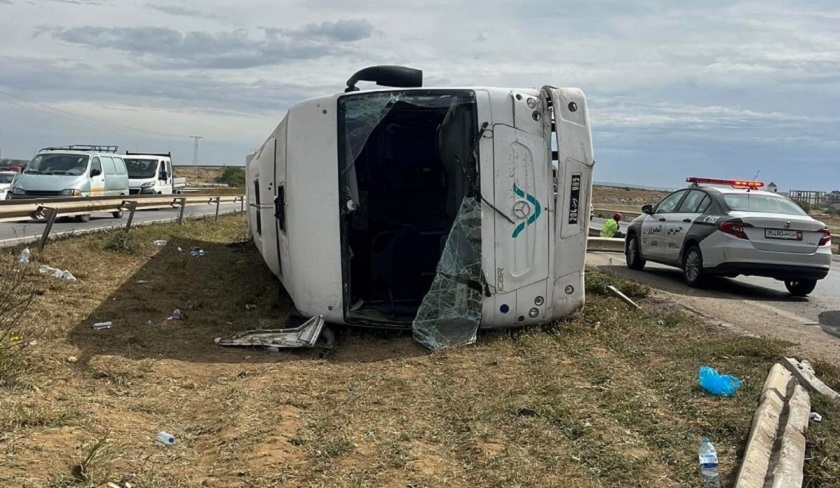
(717, 384)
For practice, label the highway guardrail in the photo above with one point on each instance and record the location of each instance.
(51, 208)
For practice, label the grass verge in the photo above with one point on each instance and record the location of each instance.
(608, 399)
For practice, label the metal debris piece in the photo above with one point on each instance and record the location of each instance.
(305, 335)
(624, 298)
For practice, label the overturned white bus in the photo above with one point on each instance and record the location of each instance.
(444, 210)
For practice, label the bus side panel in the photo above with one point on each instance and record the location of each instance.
(312, 206)
(267, 230)
(574, 189)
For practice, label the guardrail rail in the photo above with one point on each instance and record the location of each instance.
(50, 209)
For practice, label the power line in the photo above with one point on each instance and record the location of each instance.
(84, 117)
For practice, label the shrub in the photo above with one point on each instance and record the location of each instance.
(17, 291)
(233, 176)
(598, 283)
(123, 243)
(805, 205)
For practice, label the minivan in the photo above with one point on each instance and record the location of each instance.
(73, 171)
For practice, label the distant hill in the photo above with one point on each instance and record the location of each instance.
(635, 187)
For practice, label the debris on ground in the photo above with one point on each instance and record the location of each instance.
(159, 243)
(165, 438)
(72, 360)
(102, 325)
(249, 306)
(24, 257)
(633, 305)
(177, 314)
(56, 273)
(196, 252)
(804, 372)
(140, 282)
(815, 417)
(717, 384)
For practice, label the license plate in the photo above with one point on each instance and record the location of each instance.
(790, 235)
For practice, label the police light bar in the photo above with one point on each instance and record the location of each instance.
(752, 185)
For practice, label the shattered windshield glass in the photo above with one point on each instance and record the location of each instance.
(359, 115)
(451, 312)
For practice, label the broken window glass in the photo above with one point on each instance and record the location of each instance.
(451, 312)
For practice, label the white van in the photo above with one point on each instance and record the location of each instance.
(150, 173)
(73, 171)
(437, 209)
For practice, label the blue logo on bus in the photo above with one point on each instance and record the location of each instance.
(522, 210)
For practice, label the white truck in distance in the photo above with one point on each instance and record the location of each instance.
(441, 210)
(151, 174)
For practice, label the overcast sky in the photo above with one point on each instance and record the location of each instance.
(713, 88)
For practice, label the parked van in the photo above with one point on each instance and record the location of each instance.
(73, 171)
(149, 173)
(437, 209)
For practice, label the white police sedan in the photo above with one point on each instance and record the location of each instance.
(731, 228)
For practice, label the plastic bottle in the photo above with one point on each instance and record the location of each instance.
(24, 257)
(165, 438)
(102, 325)
(709, 464)
(159, 243)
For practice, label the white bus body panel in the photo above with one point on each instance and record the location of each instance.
(539, 265)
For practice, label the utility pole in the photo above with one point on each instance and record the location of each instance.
(195, 149)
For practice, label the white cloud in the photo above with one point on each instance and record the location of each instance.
(739, 74)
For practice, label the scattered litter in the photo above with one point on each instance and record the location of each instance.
(708, 458)
(815, 417)
(159, 243)
(179, 249)
(717, 384)
(149, 322)
(102, 325)
(351, 388)
(72, 359)
(165, 438)
(56, 273)
(33, 343)
(624, 298)
(177, 315)
(24, 257)
(248, 306)
(140, 282)
(196, 252)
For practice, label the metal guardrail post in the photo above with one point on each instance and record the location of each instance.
(183, 207)
(51, 214)
(218, 201)
(241, 204)
(132, 206)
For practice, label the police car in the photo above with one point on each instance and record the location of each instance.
(731, 228)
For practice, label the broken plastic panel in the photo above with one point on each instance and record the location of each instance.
(306, 335)
(450, 313)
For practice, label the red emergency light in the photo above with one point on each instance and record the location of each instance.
(751, 185)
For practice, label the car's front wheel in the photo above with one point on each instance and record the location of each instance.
(800, 288)
(693, 267)
(634, 257)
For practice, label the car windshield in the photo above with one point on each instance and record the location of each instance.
(141, 168)
(746, 202)
(6, 178)
(58, 164)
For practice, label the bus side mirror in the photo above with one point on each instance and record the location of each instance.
(648, 209)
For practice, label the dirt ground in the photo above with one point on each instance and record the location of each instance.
(608, 399)
(198, 175)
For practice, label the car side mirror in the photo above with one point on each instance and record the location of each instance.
(648, 209)
(95, 172)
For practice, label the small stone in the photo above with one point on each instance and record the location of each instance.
(72, 360)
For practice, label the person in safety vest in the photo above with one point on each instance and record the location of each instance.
(610, 228)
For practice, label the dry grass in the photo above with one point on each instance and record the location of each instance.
(609, 399)
(624, 199)
(198, 175)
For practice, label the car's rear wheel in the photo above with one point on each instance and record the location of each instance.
(117, 215)
(693, 267)
(82, 218)
(800, 288)
(634, 257)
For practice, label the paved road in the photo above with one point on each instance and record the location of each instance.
(11, 232)
(763, 295)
